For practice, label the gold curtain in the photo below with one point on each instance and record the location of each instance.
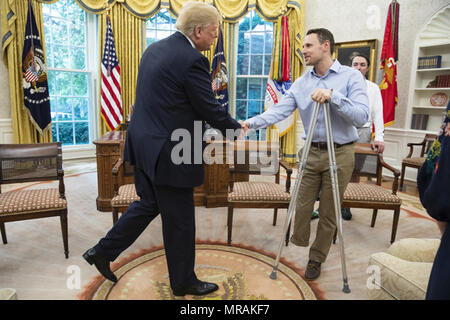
(13, 23)
(129, 38)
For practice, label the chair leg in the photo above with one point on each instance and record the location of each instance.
(275, 212)
(395, 224)
(115, 215)
(230, 222)
(2, 228)
(64, 229)
(374, 217)
(402, 177)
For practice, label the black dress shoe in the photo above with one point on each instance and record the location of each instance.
(102, 265)
(198, 289)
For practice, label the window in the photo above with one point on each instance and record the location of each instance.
(255, 38)
(70, 71)
(160, 26)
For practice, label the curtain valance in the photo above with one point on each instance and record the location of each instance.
(231, 10)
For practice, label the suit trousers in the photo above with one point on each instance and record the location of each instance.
(316, 181)
(176, 206)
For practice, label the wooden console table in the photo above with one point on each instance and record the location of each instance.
(212, 193)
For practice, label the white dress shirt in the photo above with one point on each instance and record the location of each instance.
(375, 110)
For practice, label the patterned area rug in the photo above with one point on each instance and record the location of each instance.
(412, 206)
(241, 272)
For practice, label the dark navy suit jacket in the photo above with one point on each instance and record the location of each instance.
(173, 91)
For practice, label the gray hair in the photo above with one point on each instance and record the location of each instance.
(196, 14)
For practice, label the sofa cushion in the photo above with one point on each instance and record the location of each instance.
(399, 279)
(415, 250)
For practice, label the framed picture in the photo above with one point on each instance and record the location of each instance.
(343, 51)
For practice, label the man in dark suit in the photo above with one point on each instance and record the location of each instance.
(173, 94)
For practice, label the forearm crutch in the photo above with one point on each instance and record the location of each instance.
(334, 184)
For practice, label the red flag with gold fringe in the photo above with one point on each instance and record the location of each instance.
(389, 57)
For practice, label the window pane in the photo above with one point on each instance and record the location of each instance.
(257, 43)
(61, 56)
(80, 108)
(59, 31)
(77, 34)
(267, 62)
(254, 89)
(159, 26)
(51, 81)
(241, 88)
(241, 109)
(81, 133)
(79, 84)
(243, 43)
(65, 132)
(244, 25)
(263, 88)
(53, 108)
(253, 108)
(268, 43)
(257, 22)
(242, 64)
(256, 65)
(62, 83)
(64, 109)
(151, 37)
(78, 59)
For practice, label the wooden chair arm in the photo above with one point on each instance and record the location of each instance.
(286, 166)
(396, 173)
(288, 169)
(411, 147)
(116, 170)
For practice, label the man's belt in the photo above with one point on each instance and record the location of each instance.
(323, 145)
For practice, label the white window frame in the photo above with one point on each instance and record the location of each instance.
(233, 95)
(92, 64)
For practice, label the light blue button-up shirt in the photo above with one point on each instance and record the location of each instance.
(349, 107)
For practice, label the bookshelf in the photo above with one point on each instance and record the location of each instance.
(431, 74)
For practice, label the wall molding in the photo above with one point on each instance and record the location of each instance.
(6, 132)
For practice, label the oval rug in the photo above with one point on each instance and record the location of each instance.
(242, 273)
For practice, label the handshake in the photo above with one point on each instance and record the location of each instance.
(245, 126)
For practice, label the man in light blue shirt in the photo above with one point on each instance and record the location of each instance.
(345, 89)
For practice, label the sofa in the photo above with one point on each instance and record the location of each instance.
(402, 273)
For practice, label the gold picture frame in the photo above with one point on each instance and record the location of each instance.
(344, 50)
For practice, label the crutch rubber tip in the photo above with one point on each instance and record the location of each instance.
(273, 275)
(346, 289)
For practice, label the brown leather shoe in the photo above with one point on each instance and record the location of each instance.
(312, 270)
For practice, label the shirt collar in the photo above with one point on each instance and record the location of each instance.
(334, 67)
(190, 41)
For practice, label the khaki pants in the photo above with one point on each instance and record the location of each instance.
(317, 180)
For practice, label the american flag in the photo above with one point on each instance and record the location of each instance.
(111, 103)
(30, 76)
